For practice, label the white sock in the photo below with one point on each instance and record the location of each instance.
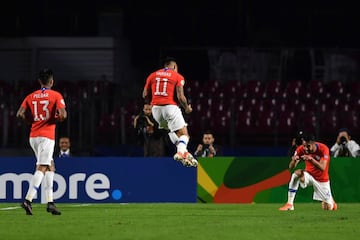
(49, 183)
(183, 142)
(34, 185)
(293, 187)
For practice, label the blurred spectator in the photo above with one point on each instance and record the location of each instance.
(64, 145)
(148, 133)
(345, 146)
(207, 147)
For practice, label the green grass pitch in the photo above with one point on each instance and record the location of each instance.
(181, 221)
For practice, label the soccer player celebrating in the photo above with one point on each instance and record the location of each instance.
(46, 107)
(316, 156)
(160, 89)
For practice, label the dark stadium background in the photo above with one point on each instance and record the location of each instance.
(184, 27)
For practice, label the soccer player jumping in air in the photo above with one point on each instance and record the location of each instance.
(160, 89)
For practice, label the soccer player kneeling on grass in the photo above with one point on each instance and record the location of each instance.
(316, 156)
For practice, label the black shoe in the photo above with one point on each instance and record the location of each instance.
(52, 209)
(26, 205)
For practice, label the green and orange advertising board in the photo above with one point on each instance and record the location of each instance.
(265, 180)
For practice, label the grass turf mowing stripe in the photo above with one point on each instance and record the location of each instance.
(182, 221)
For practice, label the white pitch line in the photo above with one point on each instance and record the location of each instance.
(82, 205)
(9, 208)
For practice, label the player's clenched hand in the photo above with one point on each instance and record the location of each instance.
(306, 158)
(295, 158)
(60, 116)
(188, 109)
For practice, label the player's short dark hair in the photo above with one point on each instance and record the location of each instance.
(309, 137)
(45, 75)
(168, 60)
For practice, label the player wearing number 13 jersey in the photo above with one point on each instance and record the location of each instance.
(160, 90)
(43, 104)
(46, 107)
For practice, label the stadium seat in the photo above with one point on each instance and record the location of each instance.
(286, 124)
(311, 100)
(308, 121)
(210, 89)
(350, 120)
(312, 105)
(198, 120)
(315, 88)
(282, 105)
(220, 125)
(332, 103)
(109, 128)
(241, 105)
(335, 88)
(273, 89)
(84, 89)
(104, 88)
(196, 125)
(245, 123)
(134, 106)
(355, 103)
(221, 109)
(270, 103)
(204, 104)
(344, 109)
(354, 88)
(266, 123)
(231, 89)
(253, 103)
(328, 124)
(293, 88)
(296, 105)
(191, 89)
(254, 89)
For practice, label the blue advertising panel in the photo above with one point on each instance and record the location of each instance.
(103, 180)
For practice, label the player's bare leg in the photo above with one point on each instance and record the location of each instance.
(183, 155)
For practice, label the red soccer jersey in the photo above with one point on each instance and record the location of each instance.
(43, 105)
(322, 153)
(163, 83)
